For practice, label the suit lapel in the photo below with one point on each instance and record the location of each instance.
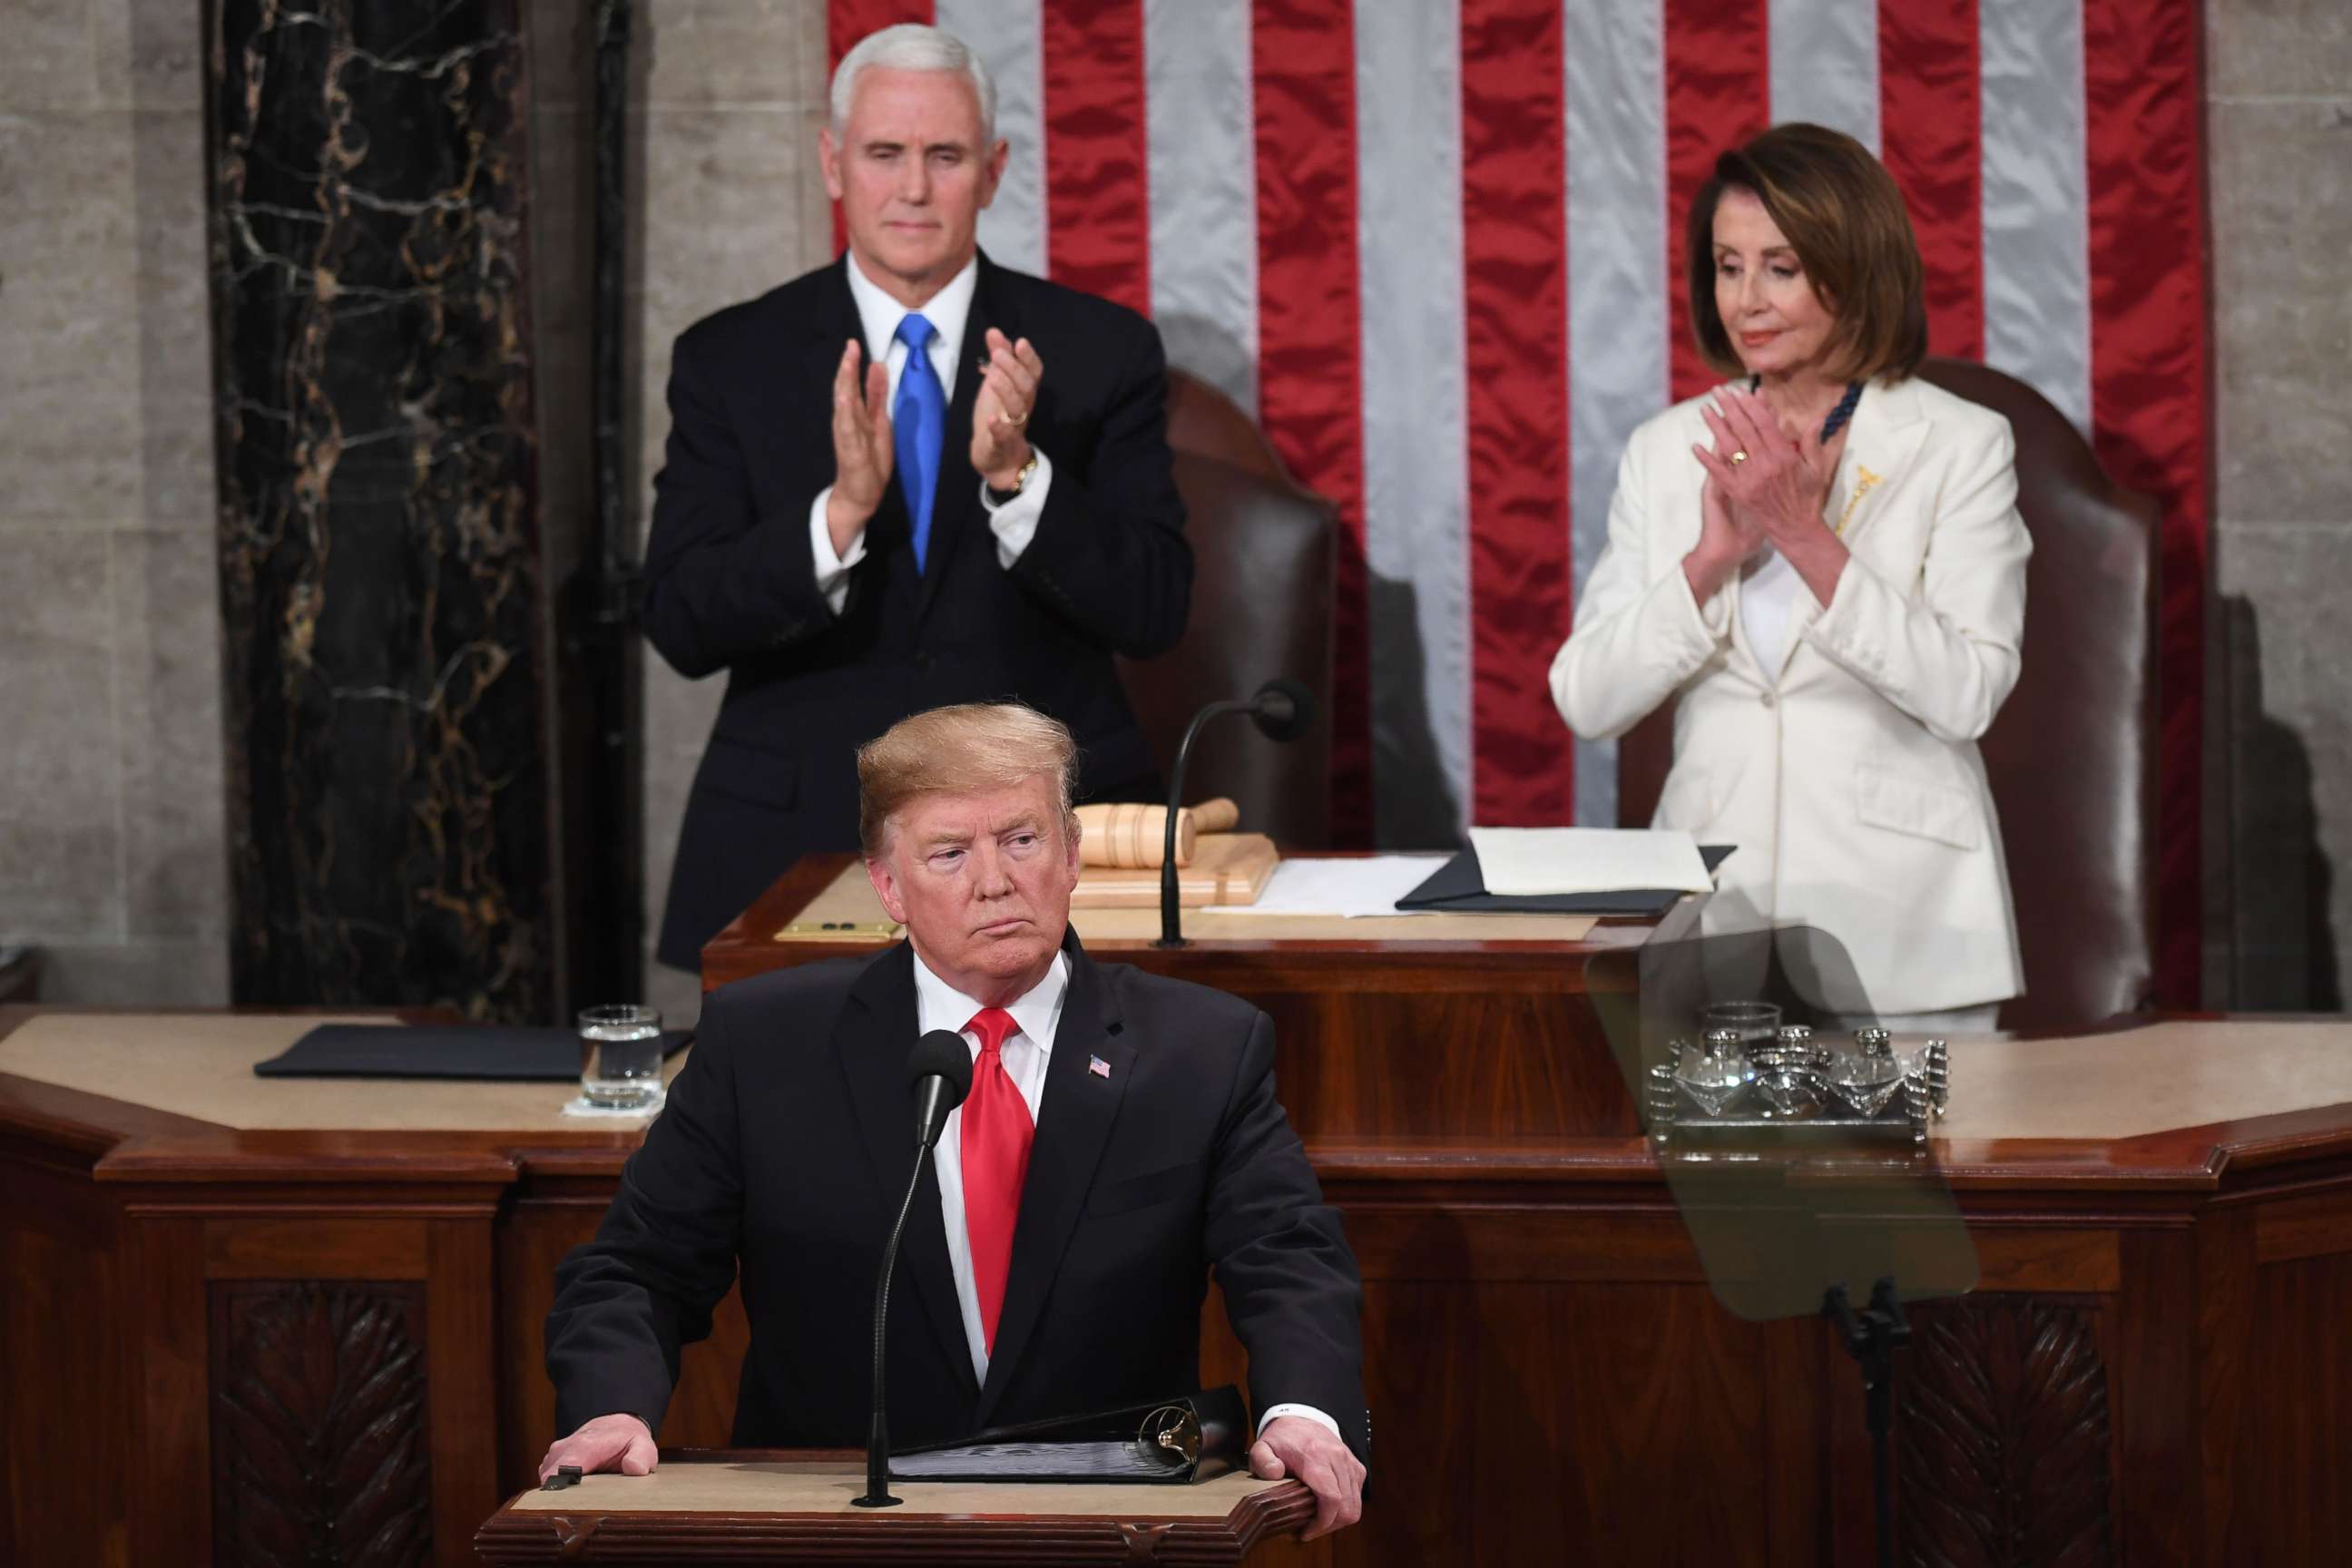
(1888, 426)
(872, 1042)
(955, 503)
(1074, 1123)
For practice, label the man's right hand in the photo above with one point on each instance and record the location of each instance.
(622, 1443)
(863, 451)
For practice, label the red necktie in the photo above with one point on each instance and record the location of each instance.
(994, 1145)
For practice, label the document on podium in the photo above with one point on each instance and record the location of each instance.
(1534, 862)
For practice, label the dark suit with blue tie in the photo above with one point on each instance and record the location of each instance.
(730, 578)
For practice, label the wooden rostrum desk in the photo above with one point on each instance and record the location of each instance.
(239, 1310)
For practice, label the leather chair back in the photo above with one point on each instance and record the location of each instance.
(2072, 755)
(1263, 553)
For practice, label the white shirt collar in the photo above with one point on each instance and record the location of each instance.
(939, 1006)
(879, 315)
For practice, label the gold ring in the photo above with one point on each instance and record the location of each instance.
(1017, 422)
(1738, 457)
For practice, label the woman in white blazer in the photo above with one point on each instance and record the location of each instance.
(1823, 565)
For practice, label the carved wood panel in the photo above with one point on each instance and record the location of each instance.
(2003, 1437)
(320, 1450)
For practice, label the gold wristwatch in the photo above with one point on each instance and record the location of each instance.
(1020, 481)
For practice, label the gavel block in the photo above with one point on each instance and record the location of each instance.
(1130, 836)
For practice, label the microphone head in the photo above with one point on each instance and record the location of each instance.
(1283, 710)
(942, 1054)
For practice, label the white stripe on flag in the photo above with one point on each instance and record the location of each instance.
(1825, 65)
(1008, 35)
(1416, 413)
(1617, 283)
(2037, 242)
(1204, 168)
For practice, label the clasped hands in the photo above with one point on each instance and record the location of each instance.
(1762, 485)
(1285, 1446)
(863, 453)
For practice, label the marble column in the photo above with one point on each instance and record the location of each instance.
(381, 581)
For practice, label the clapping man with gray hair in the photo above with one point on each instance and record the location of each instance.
(908, 479)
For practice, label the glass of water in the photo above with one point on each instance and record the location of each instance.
(1757, 1023)
(620, 1056)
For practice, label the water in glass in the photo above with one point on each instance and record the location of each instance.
(620, 1056)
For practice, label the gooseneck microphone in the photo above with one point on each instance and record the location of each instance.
(941, 1073)
(1284, 710)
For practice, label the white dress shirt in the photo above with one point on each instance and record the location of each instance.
(1038, 1011)
(1014, 522)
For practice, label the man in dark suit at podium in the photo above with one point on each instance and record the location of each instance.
(908, 479)
(1120, 1140)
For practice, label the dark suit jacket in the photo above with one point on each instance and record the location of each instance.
(730, 581)
(785, 1150)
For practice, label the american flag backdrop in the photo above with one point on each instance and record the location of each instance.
(1434, 247)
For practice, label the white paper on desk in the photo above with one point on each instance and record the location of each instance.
(1534, 861)
(1354, 886)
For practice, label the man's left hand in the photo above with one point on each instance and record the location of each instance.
(999, 415)
(1290, 1446)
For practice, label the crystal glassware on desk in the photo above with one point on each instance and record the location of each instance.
(1866, 1078)
(1789, 1073)
(1715, 1074)
(621, 1056)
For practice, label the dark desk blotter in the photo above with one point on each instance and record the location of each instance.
(1459, 887)
(440, 1050)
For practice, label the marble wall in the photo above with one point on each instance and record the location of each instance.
(2279, 862)
(383, 588)
(112, 851)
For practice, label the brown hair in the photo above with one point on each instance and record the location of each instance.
(1846, 219)
(962, 749)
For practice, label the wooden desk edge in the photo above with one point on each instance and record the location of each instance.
(514, 1537)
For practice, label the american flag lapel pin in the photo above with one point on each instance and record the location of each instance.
(1099, 1068)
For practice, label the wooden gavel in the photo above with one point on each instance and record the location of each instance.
(1130, 836)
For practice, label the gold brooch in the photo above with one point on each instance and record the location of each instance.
(1864, 480)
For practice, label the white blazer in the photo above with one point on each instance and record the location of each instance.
(1847, 771)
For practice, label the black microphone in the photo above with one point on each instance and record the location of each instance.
(940, 1072)
(1283, 710)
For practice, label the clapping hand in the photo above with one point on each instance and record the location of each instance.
(1764, 475)
(999, 415)
(863, 453)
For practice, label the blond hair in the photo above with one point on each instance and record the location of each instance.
(962, 749)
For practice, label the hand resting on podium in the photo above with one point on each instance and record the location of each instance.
(619, 1442)
(1294, 1445)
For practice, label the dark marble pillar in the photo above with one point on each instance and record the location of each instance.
(380, 576)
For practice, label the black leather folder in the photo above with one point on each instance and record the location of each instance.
(440, 1050)
(1459, 887)
(1191, 1438)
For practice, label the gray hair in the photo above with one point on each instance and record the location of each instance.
(910, 46)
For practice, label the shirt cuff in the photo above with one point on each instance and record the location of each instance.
(1014, 522)
(832, 569)
(1305, 1413)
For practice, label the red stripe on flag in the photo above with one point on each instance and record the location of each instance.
(1719, 83)
(1303, 71)
(2149, 389)
(1514, 304)
(846, 22)
(1096, 176)
(1930, 110)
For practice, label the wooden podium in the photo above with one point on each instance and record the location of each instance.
(210, 1276)
(780, 1507)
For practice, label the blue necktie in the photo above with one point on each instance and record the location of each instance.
(919, 422)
